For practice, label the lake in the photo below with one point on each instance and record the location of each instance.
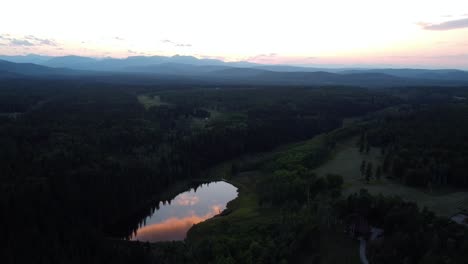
(173, 219)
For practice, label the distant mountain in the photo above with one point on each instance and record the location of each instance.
(288, 68)
(194, 61)
(152, 70)
(120, 65)
(176, 68)
(240, 72)
(448, 75)
(71, 62)
(265, 77)
(190, 66)
(30, 58)
(29, 69)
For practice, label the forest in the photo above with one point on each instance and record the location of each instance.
(424, 145)
(80, 161)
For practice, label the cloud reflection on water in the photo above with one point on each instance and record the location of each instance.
(187, 199)
(173, 220)
(173, 228)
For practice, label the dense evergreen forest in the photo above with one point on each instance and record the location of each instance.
(424, 145)
(78, 159)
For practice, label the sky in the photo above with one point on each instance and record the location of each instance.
(402, 33)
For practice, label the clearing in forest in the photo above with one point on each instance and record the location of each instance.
(149, 101)
(346, 161)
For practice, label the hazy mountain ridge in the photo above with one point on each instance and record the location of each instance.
(30, 58)
(140, 62)
(188, 68)
(30, 69)
(442, 74)
(115, 64)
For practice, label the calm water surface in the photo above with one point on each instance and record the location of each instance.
(172, 220)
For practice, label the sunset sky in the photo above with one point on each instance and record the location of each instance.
(423, 33)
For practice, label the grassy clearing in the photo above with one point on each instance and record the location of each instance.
(203, 122)
(150, 101)
(294, 155)
(214, 113)
(346, 162)
(350, 121)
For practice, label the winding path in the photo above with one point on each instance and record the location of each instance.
(375, 233)
(362, 251)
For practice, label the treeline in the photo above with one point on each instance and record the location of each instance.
(425, 146)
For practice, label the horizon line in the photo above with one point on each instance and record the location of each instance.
(362, 66)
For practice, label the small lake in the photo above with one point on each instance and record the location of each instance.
(173, 219)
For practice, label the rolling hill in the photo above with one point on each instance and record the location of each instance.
(155, 69)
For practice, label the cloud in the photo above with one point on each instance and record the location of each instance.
(4, 37)
(447, 25)
(4, 40)
(176, 44)
(119, 38)
(187, 200)
(455, 56)
(261, 58)
(40, 41)
(20, 43)
(170, 229)
(459, 57)
(134, 52)
(210, 57)
(48, 42)
(26, 41)
(137, 52)
(174, 228)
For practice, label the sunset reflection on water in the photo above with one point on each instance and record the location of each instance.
(174, 219)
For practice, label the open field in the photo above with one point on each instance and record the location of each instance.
(203, 122)
(150, 101)
(346, 162)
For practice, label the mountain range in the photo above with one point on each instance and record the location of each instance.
(154, 68)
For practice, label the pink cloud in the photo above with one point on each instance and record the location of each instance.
(447, 25)
(173, 228)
